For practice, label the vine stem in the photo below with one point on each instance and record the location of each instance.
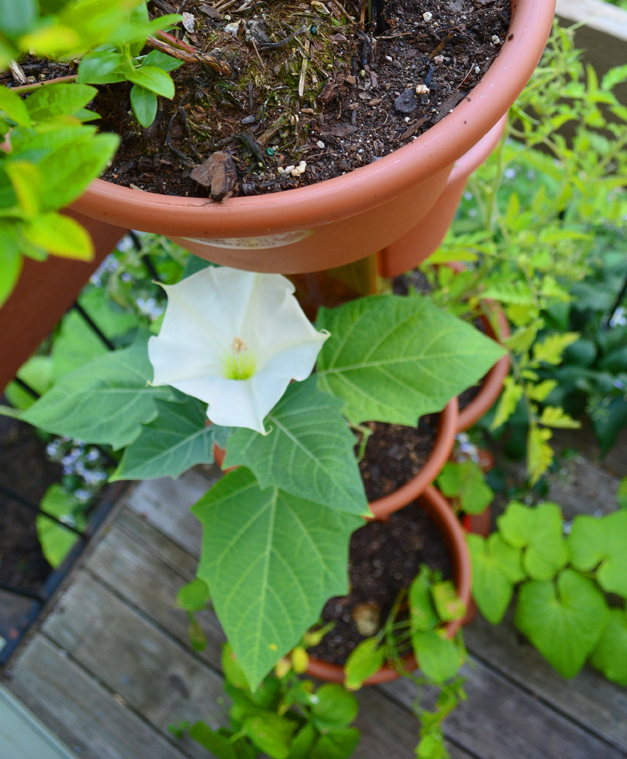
(365, 435)
(37, 85)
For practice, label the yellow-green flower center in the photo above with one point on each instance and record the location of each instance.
(240, 364)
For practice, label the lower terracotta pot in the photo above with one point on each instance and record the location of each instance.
(438, 509)
(493, 383)
(447, 428)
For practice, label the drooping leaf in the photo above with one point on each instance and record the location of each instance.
(538, 531)
(339, 744)
(194, 596)
(563, 620)
(60, 235)
(393, 359)
(601, 545)
(423, 615)
(438, 657)
(334, 707)
(271, 733)
(271, 561)
(308, 452)
(496, 567)
(105, 401)
(610, 655)
(59, 100)
(175, 441)
(144, 104)
(365, 659)
(56, 541)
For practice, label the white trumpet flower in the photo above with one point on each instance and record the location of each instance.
(234, 339)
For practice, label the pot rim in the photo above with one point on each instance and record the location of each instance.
(438, 508)
(357, 191)
(382, 508)
(494, 379)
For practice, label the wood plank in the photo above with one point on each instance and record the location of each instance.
(584, 439)
(155, 675)
(80, 711)
(387, 730)
(150, 579)
(500, 721)
(589, 699)
(165, 503)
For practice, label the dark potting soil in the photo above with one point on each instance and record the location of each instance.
(412, 280)
(25, 469)
(395, 453)
(384, 557)
(307, 84)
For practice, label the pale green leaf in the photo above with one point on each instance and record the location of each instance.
(175, 441)
(16, 16)
(60, 235)
(439, 658)
(154, 79)
(105, 401)
(448, 604)
(539, 453)
(538, 531)
(610, 655)
(271, 561)
(600, 544)
(496, 567)
(564, 621)
(56, 541)
(540, 391)
(308, 452)
(551, 348)
(13, 107)
(393, 359)
(59, 100)
(365, 659)
(512, 393)
(554, 416)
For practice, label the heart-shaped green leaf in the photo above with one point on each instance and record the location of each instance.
(496, 567)
(564, 621)
(271, 560)
(308, 452)
(334, 707)
(610, 656)
(539, 531)
(169, 445)
(393, 359)
(438, 657)
(602, 544)
(105, 401)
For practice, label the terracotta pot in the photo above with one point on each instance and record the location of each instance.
(383, 507)
(493, 383)
(437, 507)
(352, 216)
(447, 428)
(418, 244)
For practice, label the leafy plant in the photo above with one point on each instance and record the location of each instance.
(429, 604)
(562, 582)
(527, 231)
(297, 494)
(284, 718)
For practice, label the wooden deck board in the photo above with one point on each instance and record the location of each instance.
(114, 655)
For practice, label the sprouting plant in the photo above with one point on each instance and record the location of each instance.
(417, 623)
(121, 61)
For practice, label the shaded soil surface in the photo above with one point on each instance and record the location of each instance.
(384, 558)
(395, 454)
(412, 280)
(24, 469)
(309, 82)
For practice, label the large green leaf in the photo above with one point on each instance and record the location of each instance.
(601, 544)
(538, 531)
(76, 345)
(105, 401)
(59, 100)
(610, 656)
(393, 359)
(563, 622)
(496, 567)
(308, 452)
(169, 445)
(271, 561)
